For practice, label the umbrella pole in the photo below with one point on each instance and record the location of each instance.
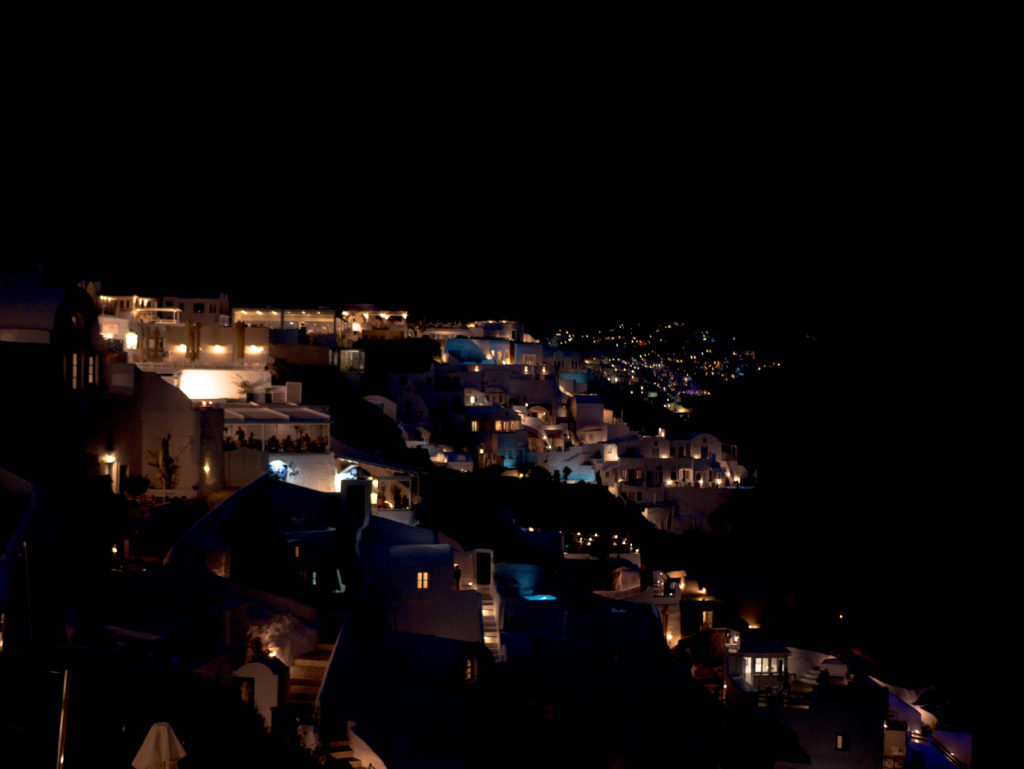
(62, 734)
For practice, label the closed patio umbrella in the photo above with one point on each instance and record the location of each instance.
(160, 750)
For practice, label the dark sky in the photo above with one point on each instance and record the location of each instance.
(665, 185)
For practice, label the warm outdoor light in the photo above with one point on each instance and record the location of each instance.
(109, 459)
(254, 349)
(218, 348)
(131, 340)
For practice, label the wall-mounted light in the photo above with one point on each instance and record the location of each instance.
(109, 459)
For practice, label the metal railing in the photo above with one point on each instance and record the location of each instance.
(946, 752)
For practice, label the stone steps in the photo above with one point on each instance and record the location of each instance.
(341, 755)
(492, 634)
(306, 676)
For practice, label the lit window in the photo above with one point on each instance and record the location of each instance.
(843, 742)
(423, 580)
(470, 671)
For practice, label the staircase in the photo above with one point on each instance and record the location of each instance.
(305, 677)
(340, 755)
(492, 635)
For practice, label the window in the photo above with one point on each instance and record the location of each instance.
(423, 580)
(469, 674)
(198, 307)
(843, 742)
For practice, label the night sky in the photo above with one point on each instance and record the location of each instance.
(642, 181)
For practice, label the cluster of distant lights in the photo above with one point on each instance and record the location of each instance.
(582, 540)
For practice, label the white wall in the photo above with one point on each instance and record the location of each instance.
(212, 384)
